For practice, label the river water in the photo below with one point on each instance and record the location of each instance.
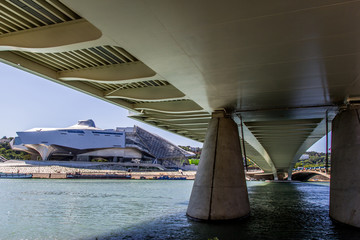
(147, 209)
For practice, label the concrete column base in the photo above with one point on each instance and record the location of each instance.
(289, 178)
(345, 168)
(219, 191)
(281, 176)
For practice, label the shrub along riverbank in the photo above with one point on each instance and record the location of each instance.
(8, 153)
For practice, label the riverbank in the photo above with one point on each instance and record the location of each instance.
(108, 170)
(51, 171)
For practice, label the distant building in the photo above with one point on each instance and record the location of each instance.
(85, 142)
(304, 157)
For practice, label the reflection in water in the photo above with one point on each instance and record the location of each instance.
(278, 211)
(90, 209)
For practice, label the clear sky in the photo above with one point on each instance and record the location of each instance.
(28, 101)
(320, 146)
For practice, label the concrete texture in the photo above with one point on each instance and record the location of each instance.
(345, 161)
(219, 191)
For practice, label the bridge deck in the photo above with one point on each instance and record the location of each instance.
(279, 66)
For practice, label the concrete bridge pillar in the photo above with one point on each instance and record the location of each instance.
(289, 178)
(219, 191)
(345, 167)
(280, 175)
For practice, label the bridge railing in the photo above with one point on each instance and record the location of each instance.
(2, 159)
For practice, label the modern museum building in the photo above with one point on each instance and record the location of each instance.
(85, 142)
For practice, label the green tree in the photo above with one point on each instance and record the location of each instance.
(8, 153)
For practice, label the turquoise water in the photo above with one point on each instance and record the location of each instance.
(131, 209)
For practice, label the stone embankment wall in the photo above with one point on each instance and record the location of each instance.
(190, 175)
(53, 169)
(60, 172)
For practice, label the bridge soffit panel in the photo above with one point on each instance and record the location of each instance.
(258, 153)
(318, 132)
(282, 144)
(47, 38)
(286, 140)
(97, 65)
(42, 24)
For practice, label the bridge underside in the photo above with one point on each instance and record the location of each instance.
(277, 66)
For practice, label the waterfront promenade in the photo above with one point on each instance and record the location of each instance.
(59, 170)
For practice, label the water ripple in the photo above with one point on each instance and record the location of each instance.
(103, 209)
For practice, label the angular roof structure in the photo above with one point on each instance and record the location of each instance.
(85, 139)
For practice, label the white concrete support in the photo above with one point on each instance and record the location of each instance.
(280, 175)
(345, 168)
(276, 176)
(219, 191)
(289, 178)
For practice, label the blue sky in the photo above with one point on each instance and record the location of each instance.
(28, 101)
